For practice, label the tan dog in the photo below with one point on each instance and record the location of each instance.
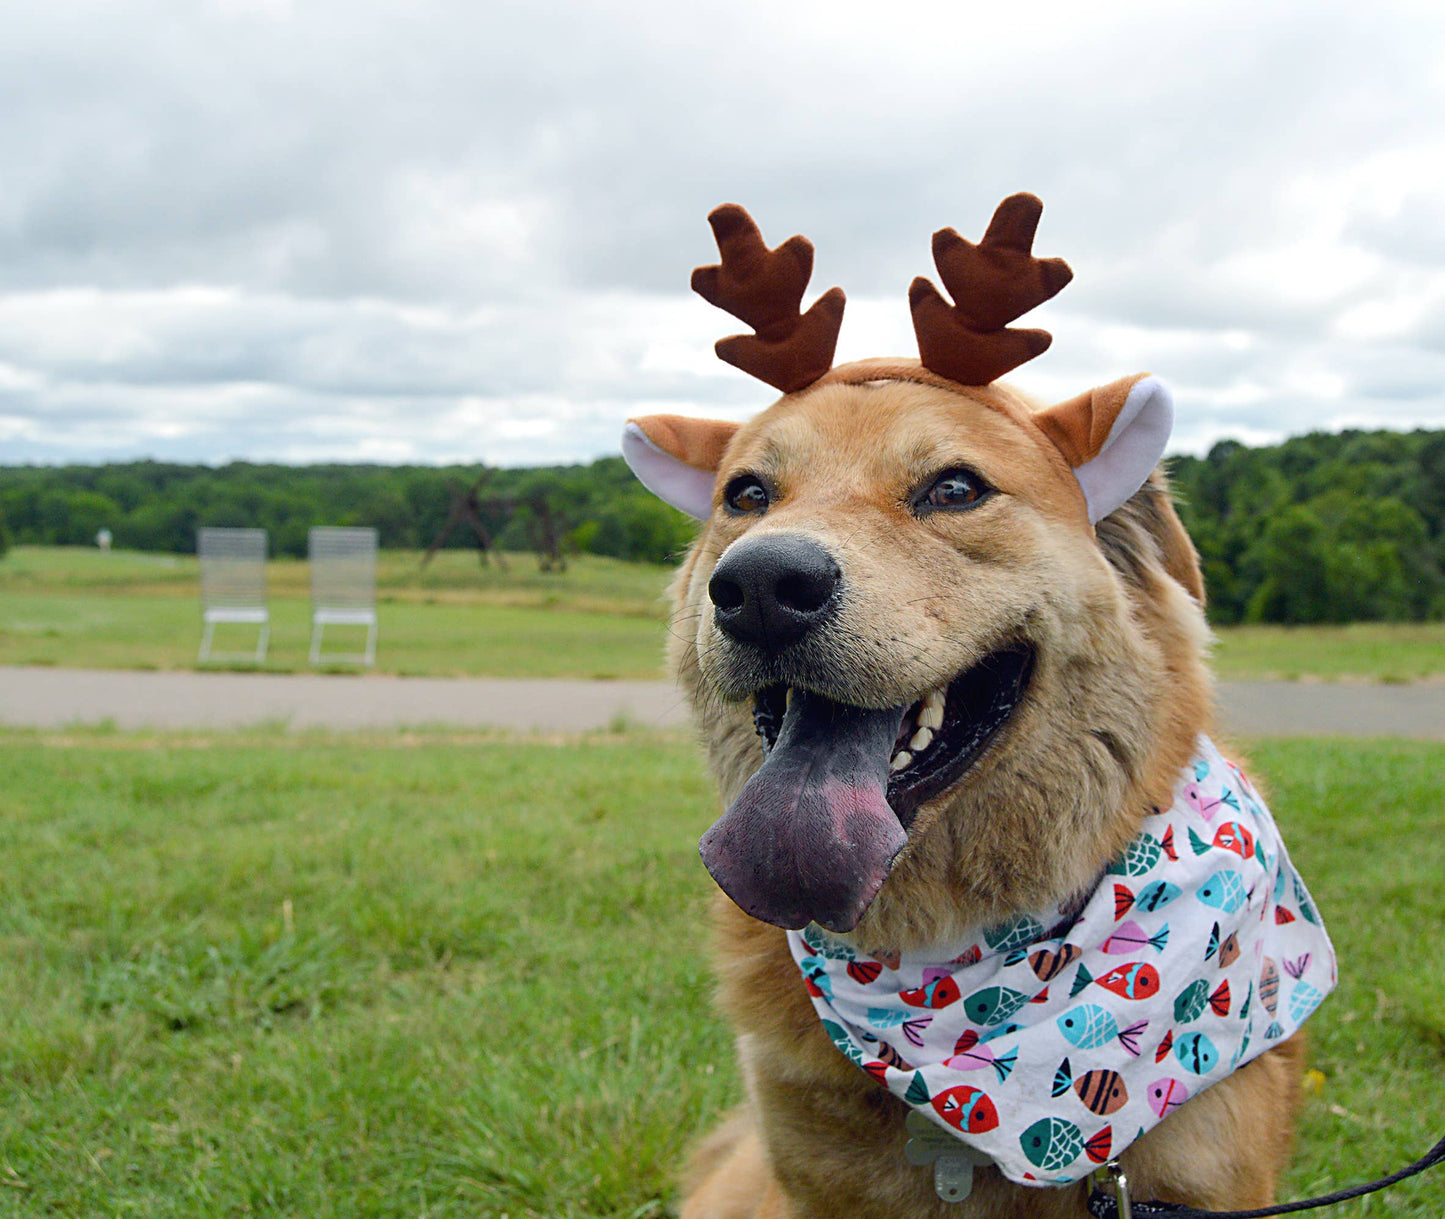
(888, 539)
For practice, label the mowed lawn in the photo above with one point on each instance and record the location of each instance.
(601, 618)
(436, 975)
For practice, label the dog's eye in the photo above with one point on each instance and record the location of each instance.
(956, 488)
(745, 494)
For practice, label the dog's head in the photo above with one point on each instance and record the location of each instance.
(936, 637)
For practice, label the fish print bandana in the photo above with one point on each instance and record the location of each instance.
(1053, 1041)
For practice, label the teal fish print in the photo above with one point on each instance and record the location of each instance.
(823, 946)
(1153, 896)
(1139, 857)
(1089, 1026)
(917, 1093)
(1195, 997)
(844, 1043)
(1224, 891)
(993, 1004)
(1196, 1053)
(1014, 934)
(815, 977)
(1052, 1143)
(1306, 907)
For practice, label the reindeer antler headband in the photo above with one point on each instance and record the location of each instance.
(992, 283)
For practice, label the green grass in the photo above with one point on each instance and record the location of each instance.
(1378, 651)
(600, 618)
(462, 975)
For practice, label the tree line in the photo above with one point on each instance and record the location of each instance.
(149, 505)
(1335, 527)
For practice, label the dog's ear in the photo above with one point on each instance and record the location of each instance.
(1113, 437)
(676, 458)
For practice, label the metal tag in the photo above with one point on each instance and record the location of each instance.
(953, 1161)
(952, 1177)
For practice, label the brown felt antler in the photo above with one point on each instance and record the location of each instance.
(993, 283)
(764, 288)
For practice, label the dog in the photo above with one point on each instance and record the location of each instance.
(988, 896)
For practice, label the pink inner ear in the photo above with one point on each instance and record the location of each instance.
(674, 482)
(1131, 451)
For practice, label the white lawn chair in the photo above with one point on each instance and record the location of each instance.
(233, 587)
(343, 587)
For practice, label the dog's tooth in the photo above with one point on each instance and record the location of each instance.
(931, 714)
(901, 759)
(922, 739)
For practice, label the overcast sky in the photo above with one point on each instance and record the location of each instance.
(305, 230)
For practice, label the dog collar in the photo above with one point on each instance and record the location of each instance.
(1051, 1042)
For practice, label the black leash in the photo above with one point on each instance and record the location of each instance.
(1102, 1206)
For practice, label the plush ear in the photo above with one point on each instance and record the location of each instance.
(676, 458)
(1113, 437)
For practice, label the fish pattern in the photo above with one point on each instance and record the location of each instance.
(1049, 1043)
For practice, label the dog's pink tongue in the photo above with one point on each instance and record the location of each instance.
(811, 838)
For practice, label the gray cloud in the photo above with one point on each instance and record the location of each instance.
(251, 227)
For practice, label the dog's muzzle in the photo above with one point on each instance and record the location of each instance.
(769, 590)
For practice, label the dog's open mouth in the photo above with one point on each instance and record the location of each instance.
(813, 834)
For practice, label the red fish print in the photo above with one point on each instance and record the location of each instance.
(1281, 915)
(1097, 1148)
(967, 1109)
(1219, 1000)
(1137, 980)
(1164, 1047)
(1234, 837)
(1123, 901)
(1167, 843)
(937, 991)
(864, 971)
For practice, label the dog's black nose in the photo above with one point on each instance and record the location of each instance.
(772, 589)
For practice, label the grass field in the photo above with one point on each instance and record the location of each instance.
(418, 976)
(600, 618)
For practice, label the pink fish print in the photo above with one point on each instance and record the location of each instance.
(1130, 937)
(1166, 1095)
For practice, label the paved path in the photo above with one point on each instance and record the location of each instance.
(52, 698)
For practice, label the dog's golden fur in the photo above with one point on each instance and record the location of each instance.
(1118, 696)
